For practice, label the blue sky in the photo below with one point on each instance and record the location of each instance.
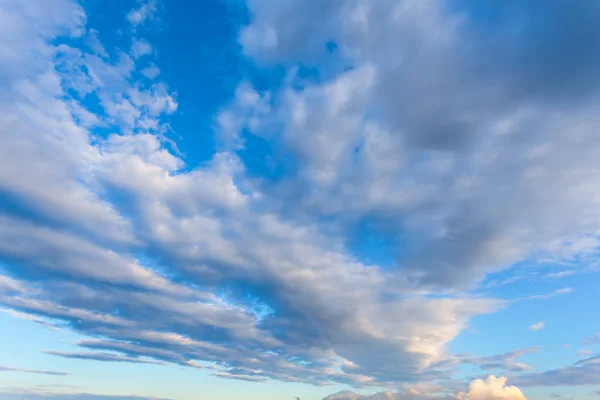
(266, 199)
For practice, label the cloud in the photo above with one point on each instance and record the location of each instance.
(97, 356)
(348, 395)
(555, 293)
(32, 318)
(145, 12)
(140, 48)
(561, 274)
(593, 340)
(31, 371)
(538, 326)
(208, 266)
(491, 388)
(151, 72)
(186, 265)
(354, 164)
(504, 362)
(583, 372)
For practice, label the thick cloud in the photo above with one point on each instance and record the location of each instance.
(206, 266)
(115, 239)
(491, 388)
(443, 129)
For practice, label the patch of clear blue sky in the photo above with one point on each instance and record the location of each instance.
(196, 50)
(568, 318)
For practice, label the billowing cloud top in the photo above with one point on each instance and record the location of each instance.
(471, 150)
(491, 388)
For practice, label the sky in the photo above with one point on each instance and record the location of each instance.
(299, 199)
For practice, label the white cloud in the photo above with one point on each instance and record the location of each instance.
(538, 326)
(151, 72)
(146, 11)
(402, 125)
(140, 48)
(491, 388)
(158, 258)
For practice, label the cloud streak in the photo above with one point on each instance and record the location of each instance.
(31, 371)
(96, 356)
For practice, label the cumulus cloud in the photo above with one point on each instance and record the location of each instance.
(491, 388)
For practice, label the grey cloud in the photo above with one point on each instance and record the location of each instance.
(240, 377)
(96, 356)
(435, 392)
(583, 372)
(504, 362)
(204, 267)
(349, 395)
(31, 371)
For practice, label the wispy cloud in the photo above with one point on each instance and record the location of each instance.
(31, 371)
(592, 340)
(538, 326)
(21, 394)
(97, 356)
(558, 292)
(583, 372)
